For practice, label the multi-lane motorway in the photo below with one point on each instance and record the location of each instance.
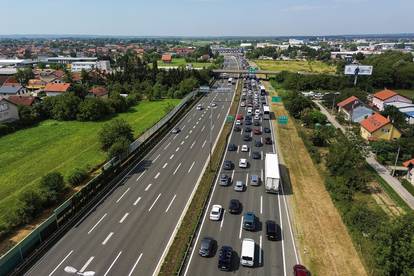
(272, 257)
(128, 232)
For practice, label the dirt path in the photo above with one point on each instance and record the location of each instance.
(326, 247)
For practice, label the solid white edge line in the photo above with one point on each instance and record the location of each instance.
(119, 199)
(155, 201)
(135, 264)
(88, 262)
(282, 238)
(61, 262)
(112, 264)
(96, 224)
(171, 202)
(107, 238)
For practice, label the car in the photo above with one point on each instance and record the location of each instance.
(257, 131)
(247, 129)
(257, 112)
(247, 122)
(175, 130)
(257, 117)
(235, 206)
(225, 258)
(258, 143)
(256, 155)
(243, 163)
(300, 270)
(207, 247)
(224, 180)
(247, 137)
(268, 140)
(243, 104)
(254, 180)
(199, 107)
(249, 221)
(239, 116)
(216, 211)
(271, 230)
(228, 165)
(266, 130)
(245, 148)
(237, 128)
(238, 123)
(256, 123)
(239, 186)
(213, 104)
(232, 147)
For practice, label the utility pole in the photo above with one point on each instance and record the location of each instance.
(396, 159)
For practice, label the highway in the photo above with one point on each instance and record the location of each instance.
(129, 232)
(272, 257)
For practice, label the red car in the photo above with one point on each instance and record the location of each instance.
(300, 270)
(257, 131)
(239, 117)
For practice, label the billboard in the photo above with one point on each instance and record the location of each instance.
(355, 69)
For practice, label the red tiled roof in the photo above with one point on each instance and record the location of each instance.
(385, 94)
(76, 76)
(11, 81)
(22, 100)
(98, 91)
(166, 57)
(347, 101)
(374, 122)
(58, 73)
(57, 87)
(408, 162)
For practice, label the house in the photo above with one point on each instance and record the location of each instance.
(9, 111)
(409, 164)
(23, 100)
(354, 108)
(387, 96)
(13, 89)
(54, 89)
(98, 92)
(406, 108)
(166, 58)
(377, 127)
(36, 84)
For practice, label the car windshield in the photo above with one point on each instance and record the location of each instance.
(247, 258)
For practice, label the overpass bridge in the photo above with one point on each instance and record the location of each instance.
(246, 71)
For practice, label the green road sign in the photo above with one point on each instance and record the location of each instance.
(252, 70)
(276, 99)
(282, 120)
(230, 118)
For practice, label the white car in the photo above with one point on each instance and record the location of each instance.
(199, 107)
(213, 104)
(243, 104)
(238, 122)
(245, 148)
(243, 163)
(216, 211)
(256, 117)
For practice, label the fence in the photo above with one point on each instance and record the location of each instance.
(67, 213)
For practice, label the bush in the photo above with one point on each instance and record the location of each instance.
(32, 202)
(113, 131)
(118, 148)
(53, 186)
(64, 107)
(5, 129)
(76, 177)
(93, 109)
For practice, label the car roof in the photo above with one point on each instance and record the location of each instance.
(216, 206)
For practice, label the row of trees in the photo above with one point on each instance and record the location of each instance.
(291, 52)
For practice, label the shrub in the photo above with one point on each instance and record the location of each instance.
(76, 177)
(92, 109)
(113, 131)
(32, 202)
(119, 147)
(53, 186)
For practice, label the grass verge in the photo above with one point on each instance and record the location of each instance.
(187, 230)
(408, 186)
(296, 66)
(182, 62)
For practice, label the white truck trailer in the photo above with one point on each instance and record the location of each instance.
(272, 173)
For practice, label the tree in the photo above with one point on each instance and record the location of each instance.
(76, 177)
(53, 186)
(24, 75)
(118, 148)
(114, 130)
(323, 135)
(65, 107)
(26, 115)
(118, 103)
(396, 116)
(31, 204)
(93, 109)
(312, 116)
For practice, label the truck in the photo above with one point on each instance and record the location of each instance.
(266, 112)
(262, 90)
(272, 173)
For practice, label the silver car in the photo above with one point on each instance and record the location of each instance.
(239, 186)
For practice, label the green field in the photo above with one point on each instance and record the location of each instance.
(295, 66)
(181, 62)
(29, 154)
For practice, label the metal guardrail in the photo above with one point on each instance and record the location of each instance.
(76, 204)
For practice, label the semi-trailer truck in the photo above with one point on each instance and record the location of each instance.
(272, 173)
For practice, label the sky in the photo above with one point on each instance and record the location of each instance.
(206, 17)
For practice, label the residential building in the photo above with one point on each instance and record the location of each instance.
(406, 108)
(9, 111)
(98, 92)
(354, 108)
(23, 100)
(377, 127)
(409, 164)
(103, 65)
(35, 84)
(166, 58)
(7, 90)
(70, 60)
(55, 89)
(387, 96)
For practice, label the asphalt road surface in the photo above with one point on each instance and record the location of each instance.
(129, 231)
(271, 257)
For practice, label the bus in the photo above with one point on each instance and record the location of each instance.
(266, 112)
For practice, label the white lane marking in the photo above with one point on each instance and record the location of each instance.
(107, 238)
(194, 126)
(119, 199)
(179, 165)
(158, 156)
(204, 144)
(157, 175)
(182, 128)
(218, 116)
(238, 149)
(192, 145)
(261, 204)
(186, 137)
(222, 220)
(189, 170)
(189, 120)
(191, 131)
(261, 156)
(141, 175)
(261, 174)
(171, 202)
(112, 264)
(261, 140)
(136, 201)
(241, 227)
(182, 143)
(165, 165)
(155, 201)
(203, 128)
(123, 218)
(212, 127)
(241, 132)
(172, 156)
(86, 264)
(99, 221)
(64, 259)
(282, 238)
(148, 186)
(247, 179)
(232, 175)
(135, 264)
(177, 149)
(260, 250)
(167, 146)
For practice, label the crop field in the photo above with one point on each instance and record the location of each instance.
(295, 66)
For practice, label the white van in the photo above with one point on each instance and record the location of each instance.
(247, 253)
